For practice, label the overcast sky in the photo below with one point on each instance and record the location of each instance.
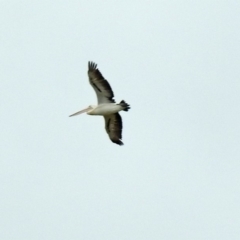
(177, 177)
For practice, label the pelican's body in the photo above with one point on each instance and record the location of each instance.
(104, 109)
(106, 104)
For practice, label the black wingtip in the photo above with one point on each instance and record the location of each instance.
(118, 142)
(92, 65)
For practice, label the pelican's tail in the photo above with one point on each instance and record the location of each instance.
(124, 105)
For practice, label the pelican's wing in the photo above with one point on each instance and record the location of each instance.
(113, 126)
(100, 84)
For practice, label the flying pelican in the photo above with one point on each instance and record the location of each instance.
(106, 104)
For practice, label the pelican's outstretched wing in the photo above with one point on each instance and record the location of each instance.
(100, 84)
(113, 126)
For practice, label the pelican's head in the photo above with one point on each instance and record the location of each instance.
(87, 110)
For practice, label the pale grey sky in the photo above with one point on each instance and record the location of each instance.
(178, 174)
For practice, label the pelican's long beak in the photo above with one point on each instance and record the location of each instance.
(82, 111)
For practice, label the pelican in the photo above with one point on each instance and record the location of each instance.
(107, 107)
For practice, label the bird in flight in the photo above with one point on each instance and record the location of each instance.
(107, 107)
